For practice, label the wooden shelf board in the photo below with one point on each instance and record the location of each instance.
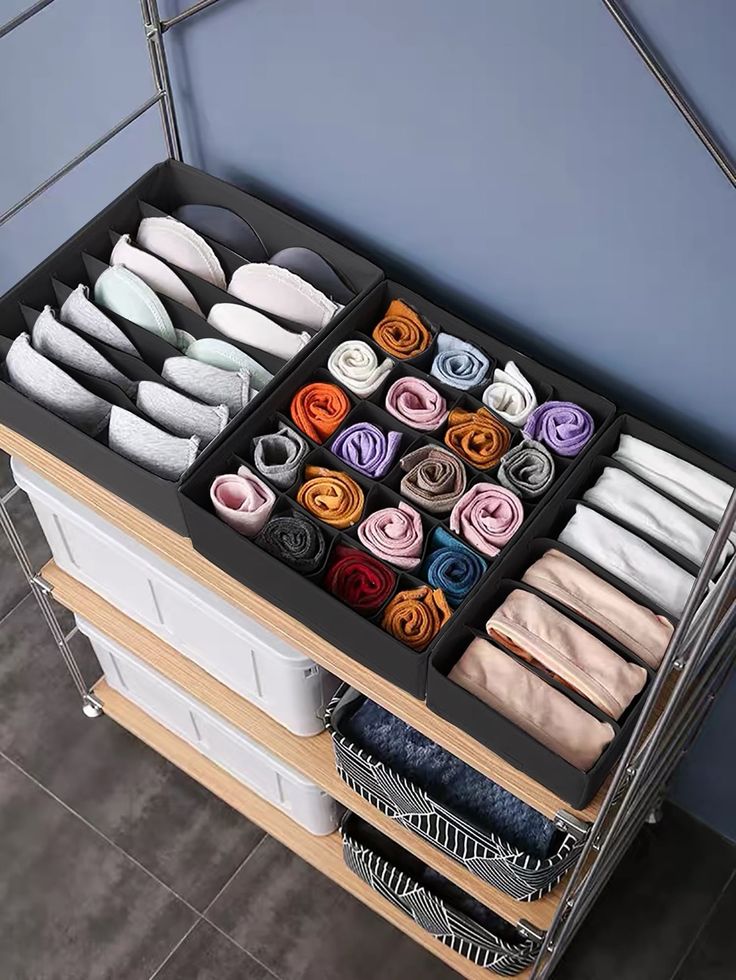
(179, 551)
(323, 853)
(311, 756)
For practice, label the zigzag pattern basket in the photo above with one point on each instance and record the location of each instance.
(489, 857)
(433, 914)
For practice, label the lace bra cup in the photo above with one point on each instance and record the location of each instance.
(254, 329)
(153, 272)
(223, 226)
(220, 354)
(127, 295)
(181, 246)
(282, 293)
(312, 268)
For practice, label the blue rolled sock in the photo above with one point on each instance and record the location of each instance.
(451, 566)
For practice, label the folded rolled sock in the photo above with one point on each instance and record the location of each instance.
(563, 426)
(635, 627)
(359, 580)
(621, 495)
(416, 403)
(415, 616)
(319, 408)
(79, 311)
(458, 363)
(63, 345)
(39, 379)
(211, 385)
(242, 501)
(451, 566)
(367, 448)
(434, 479)
(545, 637)
(684, 481)
(626, 556)
(534, 706)
(527, 469)
(401, 332)
(354, 364)
(510, 395)
(487, 516)
(279, 455)
(180, 415)
(477, 437)
(294, 540)
(331, 496)
(394, 534)
(149, 447)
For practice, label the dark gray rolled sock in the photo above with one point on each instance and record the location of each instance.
(294, 540)
(527, 469)
(53, 339)
(279, 455)
(39, 379)
(143, 443)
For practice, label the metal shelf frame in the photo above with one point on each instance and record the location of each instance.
(702, 649)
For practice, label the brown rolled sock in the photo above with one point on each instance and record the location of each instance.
(415, 616)
(401, 332)
(477, 437)
(331, 496)
(435, 479)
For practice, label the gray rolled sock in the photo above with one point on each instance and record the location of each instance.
(141, 442)
(279, 455)
(212, 385)
(528, 469)
(53, 339)
(180, 415)
(39, 379)
(78, 311)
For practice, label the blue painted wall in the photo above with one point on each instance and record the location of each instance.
(515, 160)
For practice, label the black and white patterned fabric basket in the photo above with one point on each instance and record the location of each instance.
(489, 857)
(433, 914)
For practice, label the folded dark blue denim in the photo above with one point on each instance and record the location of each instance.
(450, 566)
(448, 780)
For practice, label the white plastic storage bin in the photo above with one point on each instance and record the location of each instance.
(194, 620)
(212, 735)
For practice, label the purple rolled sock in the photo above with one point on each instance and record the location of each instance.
(563, 426)
(367, 448)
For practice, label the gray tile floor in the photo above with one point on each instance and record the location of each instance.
(116, 866)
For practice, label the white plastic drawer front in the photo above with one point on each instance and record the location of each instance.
(194, 620)
(212, 735)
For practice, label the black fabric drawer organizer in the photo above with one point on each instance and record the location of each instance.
(303, 596)
(85, 256)
(473, 716)
(503, 863)
(435, 904)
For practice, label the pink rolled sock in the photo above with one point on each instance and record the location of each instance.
(416, 403)
(487, 516)
(394, 534)
(242, 501)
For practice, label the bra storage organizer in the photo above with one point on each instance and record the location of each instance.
(435, 616)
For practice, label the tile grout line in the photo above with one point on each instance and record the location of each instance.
(242, 949)
(237, 871)
(99, 833)
(176, 946)
(706, 919)
(19, 603)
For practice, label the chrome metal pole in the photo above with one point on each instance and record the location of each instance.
(23, 16)
(80, 158)
(162, 80)
(186, 14)
(646, 53)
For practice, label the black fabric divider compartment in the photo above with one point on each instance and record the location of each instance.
(463, 709)
(484, 852)
(363, 641)
(435, 904)
(166, 186)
